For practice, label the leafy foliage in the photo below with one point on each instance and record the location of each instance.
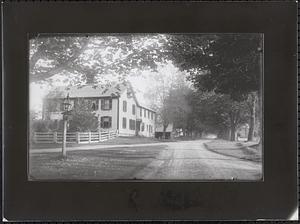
(93, 56)
(177, 106)
(227, 63)
(168, 96)
(216, 112)
(46, 125)
(83, 118)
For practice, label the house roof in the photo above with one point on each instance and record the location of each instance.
(144, 106)
(87, 91)
(160, 128)
(112, 90)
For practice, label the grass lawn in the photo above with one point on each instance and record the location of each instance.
(118, 163)
(115, 141)
(242, 150)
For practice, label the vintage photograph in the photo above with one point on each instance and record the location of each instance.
(146, 106)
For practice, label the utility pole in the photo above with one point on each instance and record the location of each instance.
(66, 113)
(64, 150)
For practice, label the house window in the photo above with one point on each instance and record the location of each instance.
(132, 124)
(124, 106)
(141, 112)
(144, 112)
(133, 109)
(124, 123)
(143, 127)
(106, 122)
(106, 104)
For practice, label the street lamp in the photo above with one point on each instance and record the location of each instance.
(66, 113)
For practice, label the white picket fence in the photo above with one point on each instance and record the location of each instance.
(74, 137)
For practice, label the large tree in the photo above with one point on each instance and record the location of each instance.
(83, 118)
(93, 56)
(217, 113)
(226, 64)
(178, 106)
(167, 95)
(158, 94)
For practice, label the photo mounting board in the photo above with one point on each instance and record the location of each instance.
(273, 198)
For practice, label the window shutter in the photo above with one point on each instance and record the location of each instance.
(109, 121)
(124, 106)
(102, 105)
(97, 104)
(110, 104)
(101, 121)
(124, 123)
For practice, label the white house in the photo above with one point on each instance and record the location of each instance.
(116, 107)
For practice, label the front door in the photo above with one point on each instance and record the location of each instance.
(137, 129)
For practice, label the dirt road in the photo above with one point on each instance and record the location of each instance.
(191, 160)
(184, 160)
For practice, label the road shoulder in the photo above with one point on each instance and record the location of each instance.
(240, 150)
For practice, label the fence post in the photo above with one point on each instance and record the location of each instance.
(99, 135)
(90, 137)
(55, 137)
(109, 134)
(77, 137)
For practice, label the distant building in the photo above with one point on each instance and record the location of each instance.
(160, 129)
(116, 107)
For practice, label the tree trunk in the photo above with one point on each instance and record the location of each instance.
(252, 117)
(251, 125)
(164, 131)
(232, 125)
(200, 134)
(232, 133)
(223, 134)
